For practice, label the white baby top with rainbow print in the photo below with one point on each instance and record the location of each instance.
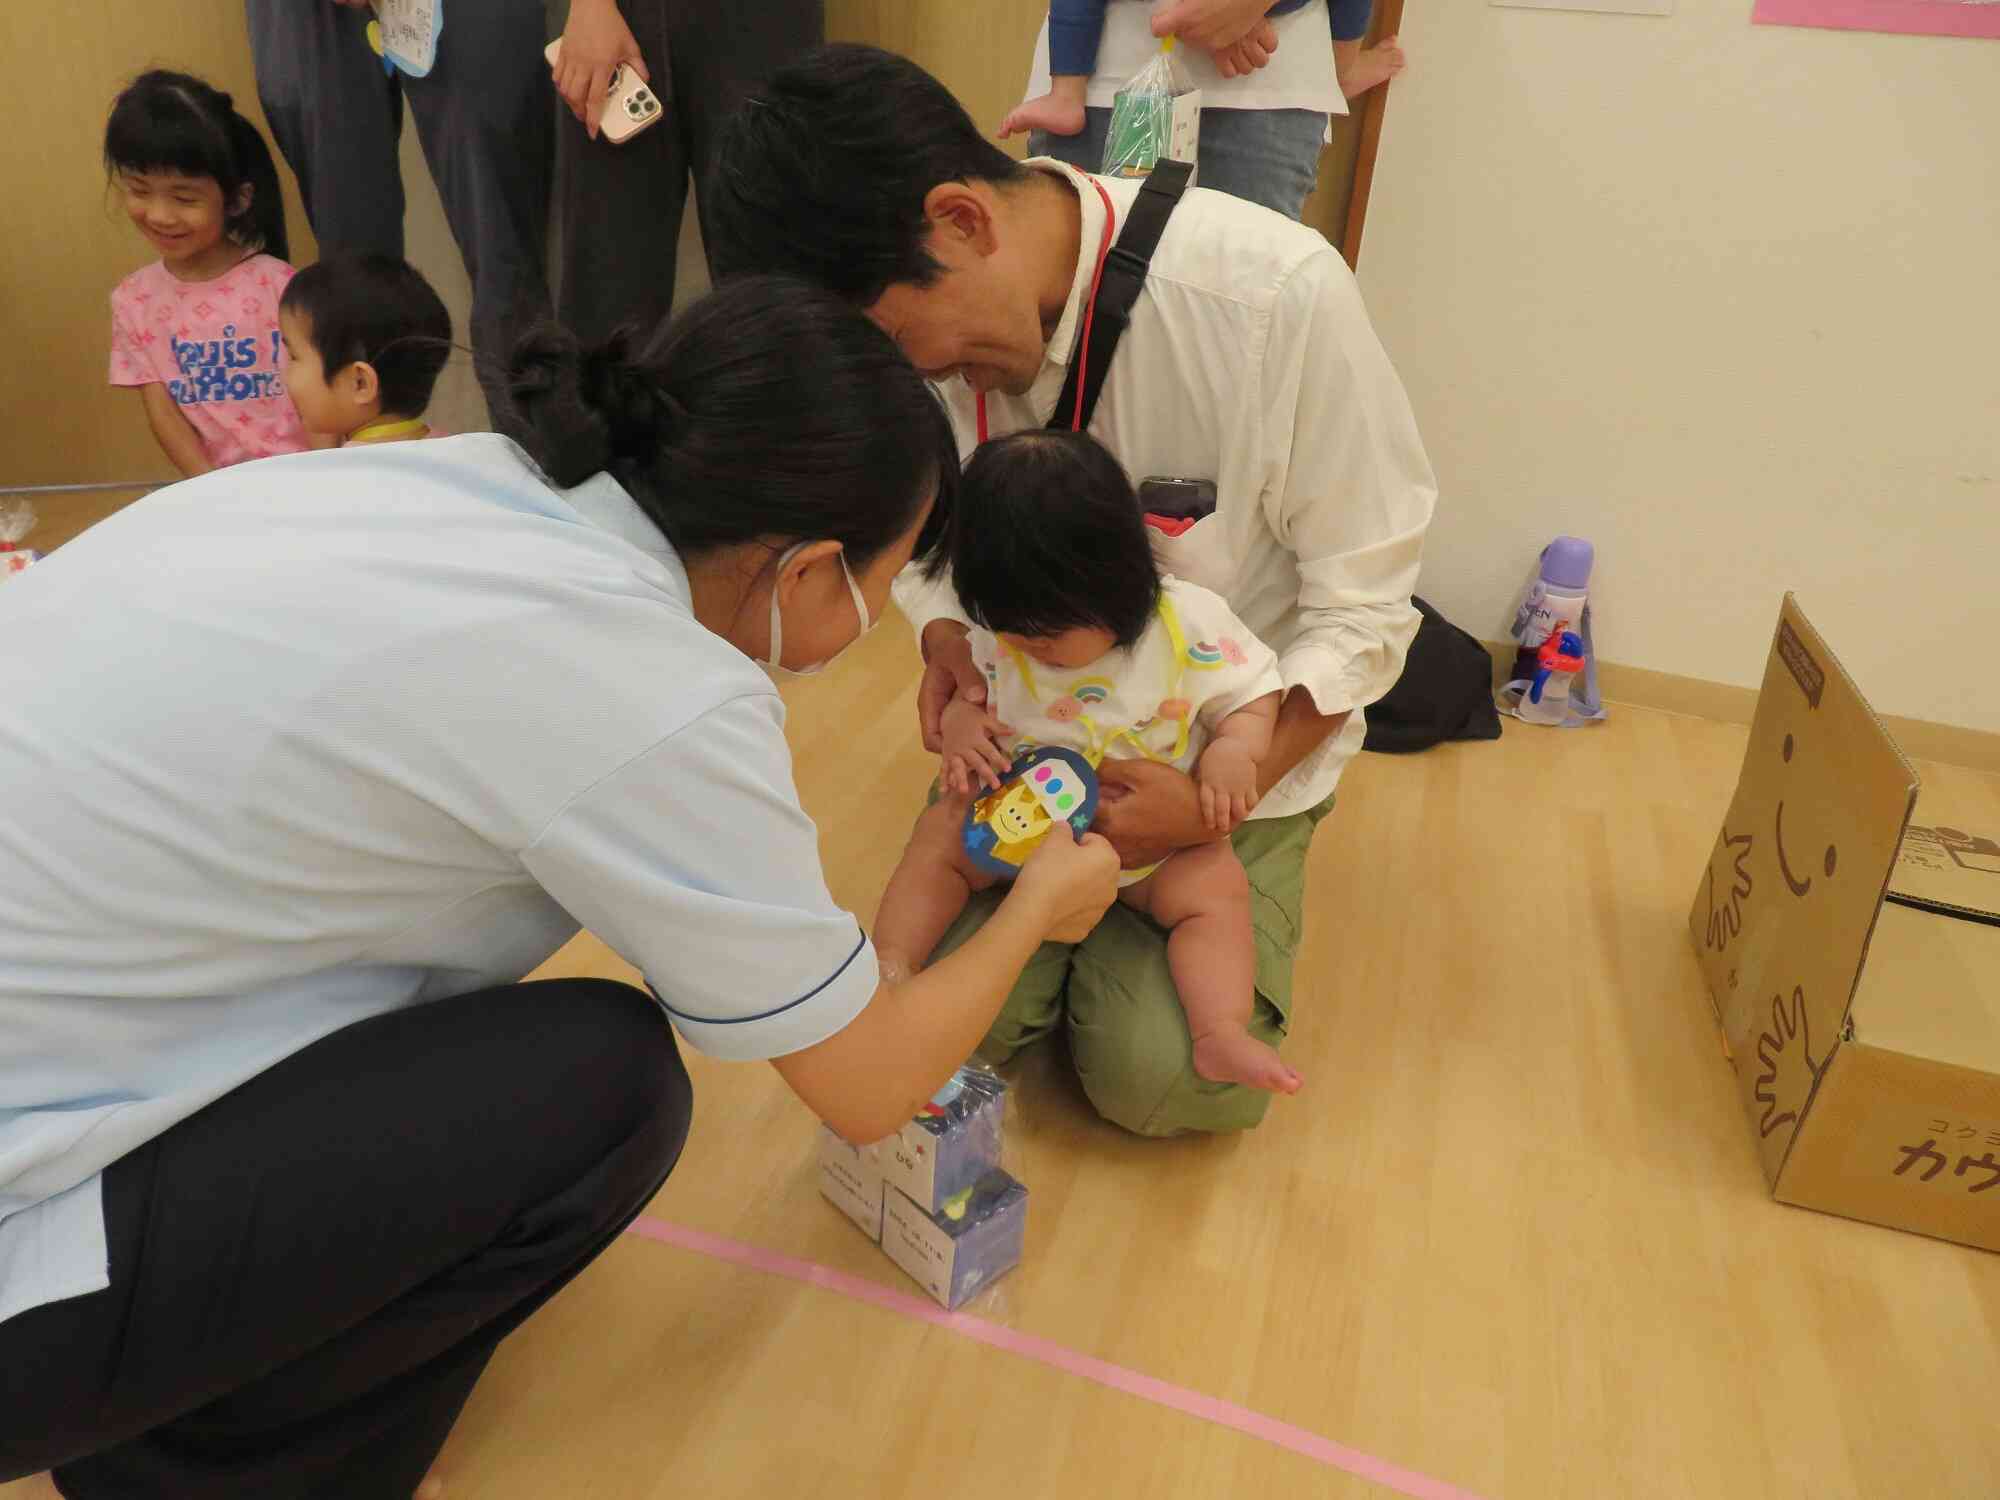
(1161, 699)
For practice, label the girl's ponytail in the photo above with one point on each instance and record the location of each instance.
(261, 225)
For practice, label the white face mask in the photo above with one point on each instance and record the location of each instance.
(774, 663)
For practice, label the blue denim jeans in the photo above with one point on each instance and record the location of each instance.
(1269, 156)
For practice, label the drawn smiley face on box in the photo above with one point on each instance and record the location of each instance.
(1732, 879)
(1828, 862)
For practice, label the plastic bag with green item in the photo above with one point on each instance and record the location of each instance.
(1156, 114)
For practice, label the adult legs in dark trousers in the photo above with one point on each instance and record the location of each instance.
(308, 1276)
(482, 114)
(620, 207)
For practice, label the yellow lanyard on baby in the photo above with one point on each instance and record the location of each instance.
(1099, 743)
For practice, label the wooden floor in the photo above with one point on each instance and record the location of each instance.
(1512, 1235)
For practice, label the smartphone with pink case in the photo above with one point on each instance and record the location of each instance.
(628, 108)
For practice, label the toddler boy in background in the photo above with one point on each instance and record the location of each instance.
(365, 339)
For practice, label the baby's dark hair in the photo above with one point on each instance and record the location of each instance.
(174, 122)
(1047, 537)
(378, 309)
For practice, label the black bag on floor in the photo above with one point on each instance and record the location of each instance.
(1445, 692)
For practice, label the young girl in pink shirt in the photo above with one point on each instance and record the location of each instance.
(197, 331)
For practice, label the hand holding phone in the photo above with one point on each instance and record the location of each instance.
(629, 105)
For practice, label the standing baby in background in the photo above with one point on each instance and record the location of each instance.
(1085, 645)
(1076, 27)
(365, 339)
(197, 331)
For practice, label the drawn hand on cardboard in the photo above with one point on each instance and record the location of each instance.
(1788, 1024)
(1726, 921)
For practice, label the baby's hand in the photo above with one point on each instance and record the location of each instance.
(1228, 777)
(1248, 55)
(973, 749)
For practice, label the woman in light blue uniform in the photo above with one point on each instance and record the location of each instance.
(314, 759)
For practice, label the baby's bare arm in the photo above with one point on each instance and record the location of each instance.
(1249, 728)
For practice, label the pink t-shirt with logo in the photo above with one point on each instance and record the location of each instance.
(215, 346)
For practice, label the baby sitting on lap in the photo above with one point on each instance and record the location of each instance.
(1086, 645)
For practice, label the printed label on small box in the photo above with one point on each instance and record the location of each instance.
(1185, 133)
(1805, 671)
(850, 1178)
(910, 1160)
(917, 1245)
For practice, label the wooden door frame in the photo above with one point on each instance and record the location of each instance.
(1388, 21)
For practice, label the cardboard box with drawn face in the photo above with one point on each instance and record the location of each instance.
(1855, 971)
(1782, 919)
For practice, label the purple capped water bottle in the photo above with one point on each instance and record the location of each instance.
(1557, 598)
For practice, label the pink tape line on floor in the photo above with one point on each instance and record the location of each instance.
(1069, 1361)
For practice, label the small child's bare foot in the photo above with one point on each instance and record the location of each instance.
(1376, 64)
(1056, 116)
(1229, 1054)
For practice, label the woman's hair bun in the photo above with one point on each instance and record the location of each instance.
(768, 411)
(639, 416)
(583, 407)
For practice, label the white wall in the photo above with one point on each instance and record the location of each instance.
(1724, 299)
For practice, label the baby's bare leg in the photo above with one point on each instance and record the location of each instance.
(928, 890)
(1358, 69)
(1202, 897)
(1060, 111)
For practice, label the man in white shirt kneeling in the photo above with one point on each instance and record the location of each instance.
(1249, 362)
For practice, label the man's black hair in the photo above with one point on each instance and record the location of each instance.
(823, 173)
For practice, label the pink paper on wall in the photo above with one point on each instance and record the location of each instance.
(1919, 17)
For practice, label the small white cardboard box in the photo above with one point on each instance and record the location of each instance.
(952, 1145)
(954, 1258)
(850, 1178)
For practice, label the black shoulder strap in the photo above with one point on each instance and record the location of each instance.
(1118, 288)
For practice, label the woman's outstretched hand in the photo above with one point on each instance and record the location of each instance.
(869, 1077)
(1072, 880)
